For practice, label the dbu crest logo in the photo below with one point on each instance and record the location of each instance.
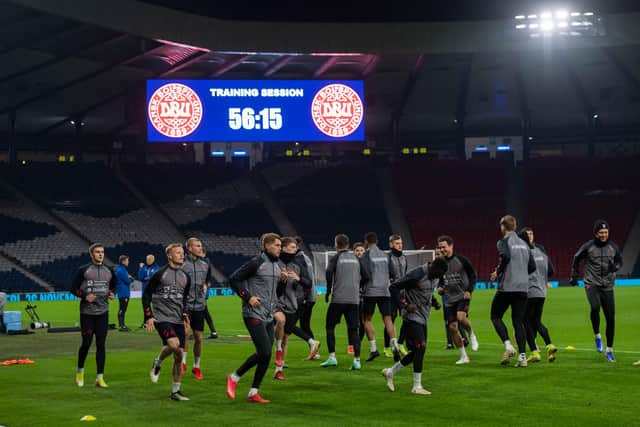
(337, 110)
(175, 110)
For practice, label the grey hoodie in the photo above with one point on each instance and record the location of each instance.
(418, 290)
(376, 263)
(98, 280)
(199, 271)
(515, 265)
(602, 261)
(167, 294)
(258, 277)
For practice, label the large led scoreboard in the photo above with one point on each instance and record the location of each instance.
(255, 110)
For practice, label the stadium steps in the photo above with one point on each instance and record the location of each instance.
(278, 215)
(160, 216)
(51, 216)
(393, 208)
(17, 265)
(631, 250)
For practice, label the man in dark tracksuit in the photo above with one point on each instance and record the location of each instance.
(255, 282)
(397, 269)
(418, 286)
(456, 288)
(376, 263)
(94, 284)
(164, 303)
(124, 290)
(535, 298)
(287, 309)
(198, 269)
(345, 275)
(514, 267)
(306, 298)
(602, 260)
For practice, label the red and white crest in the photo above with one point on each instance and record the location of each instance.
(337, 110)
(175, 110)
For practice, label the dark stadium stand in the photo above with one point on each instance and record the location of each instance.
(14, 281)
(249, 219)
(164, 183)
(463, 199)
(60, 272)
(565, 196)
(14, 229)
(90, 189)
(339, 199)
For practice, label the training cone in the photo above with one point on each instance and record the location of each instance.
(569, 347)
(88, 418)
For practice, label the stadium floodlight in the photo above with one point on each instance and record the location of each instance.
(595, 116)
(504, 147)
(239, 153)
(547, 26)
(556, 24)
(217, 153)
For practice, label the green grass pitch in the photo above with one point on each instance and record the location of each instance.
(579, 389)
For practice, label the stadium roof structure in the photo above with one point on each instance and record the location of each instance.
(80, 65)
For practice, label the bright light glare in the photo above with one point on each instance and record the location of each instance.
(547, 26)
(562, 14)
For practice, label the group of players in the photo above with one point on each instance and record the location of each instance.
(277, 290)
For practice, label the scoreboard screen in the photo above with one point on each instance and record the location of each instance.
(255, 110)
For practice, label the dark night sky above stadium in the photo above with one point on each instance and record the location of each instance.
(395, 10)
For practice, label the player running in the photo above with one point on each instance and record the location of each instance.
(94, 284)
(602, 260)
(165, 303)
(418, 286)
(255, 282)
(457, 288)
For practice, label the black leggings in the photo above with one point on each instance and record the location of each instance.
(262, 334)
(533, 322)
(124, 303)
(352, 317)
(209, 320)
(416, 336)
(91, 325)
(304, 331)
(394, 314)
(518, 303)
(598, 297)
